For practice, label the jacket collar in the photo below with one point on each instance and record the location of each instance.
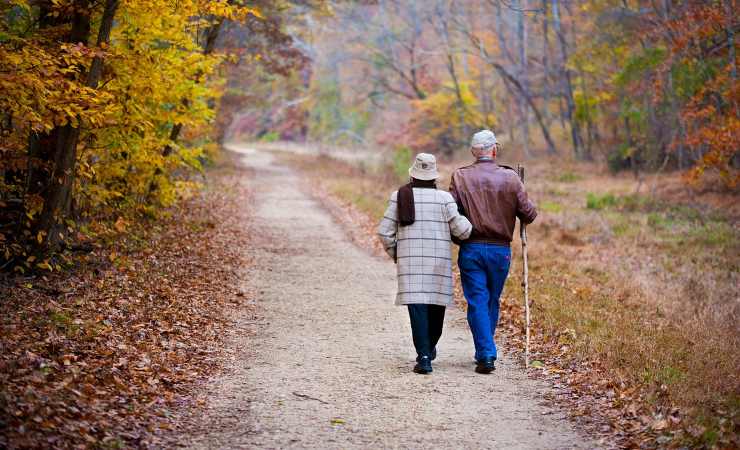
(485, 159)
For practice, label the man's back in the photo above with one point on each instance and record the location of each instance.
(491, 197)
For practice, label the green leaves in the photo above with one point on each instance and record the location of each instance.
(638, 64)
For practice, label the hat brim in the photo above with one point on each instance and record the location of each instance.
(424, 175)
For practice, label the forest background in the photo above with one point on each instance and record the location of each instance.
(645, 86)
(110, 114)
(635, 85)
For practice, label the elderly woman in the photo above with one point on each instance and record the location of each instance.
(415, 231)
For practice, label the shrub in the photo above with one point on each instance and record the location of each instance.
(620, 158)
(402, 161)
(270, 136)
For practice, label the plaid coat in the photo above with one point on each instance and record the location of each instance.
(422, 249)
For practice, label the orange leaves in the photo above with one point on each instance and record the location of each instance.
(698, 22)
(42, 87)
(120, 225)
(693, 86)
(100, 355)
(712, 122)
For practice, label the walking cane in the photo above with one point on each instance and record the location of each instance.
(525, 275)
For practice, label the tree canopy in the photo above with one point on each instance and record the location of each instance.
(94, 98)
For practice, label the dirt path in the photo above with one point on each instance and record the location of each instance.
(327, 363)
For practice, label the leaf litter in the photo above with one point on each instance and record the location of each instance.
(108, 351)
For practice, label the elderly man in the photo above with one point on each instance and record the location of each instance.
(491, 196)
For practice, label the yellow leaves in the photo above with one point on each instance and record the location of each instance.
(22, 3)
(43, 86)
(604, 96)
(253, 11)
(120, 225)
(45, 265)
(227, 10)
(155, 75)
(445, 107)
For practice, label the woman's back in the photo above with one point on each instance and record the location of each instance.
(422, 249)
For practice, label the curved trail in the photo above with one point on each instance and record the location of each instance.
(327, 363)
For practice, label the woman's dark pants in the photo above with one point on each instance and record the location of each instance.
(426, 328)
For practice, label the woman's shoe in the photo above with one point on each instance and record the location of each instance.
(424, 365)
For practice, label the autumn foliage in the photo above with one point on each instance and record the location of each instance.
(668, 75)
(703, 37)
(635, 85)
(96, 98)
(105, 354)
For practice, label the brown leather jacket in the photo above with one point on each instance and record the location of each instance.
(491, 197)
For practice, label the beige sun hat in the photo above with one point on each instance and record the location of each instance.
(424, 167)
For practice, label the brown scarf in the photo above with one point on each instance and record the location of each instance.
(406, 210)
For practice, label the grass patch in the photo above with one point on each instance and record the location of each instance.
(551, 207)
(658, 221)
(622, 225)
(596, 201)
(366, 189)
(715, 234)
(568, 177)
(369, 202)
(610, 321)
(674, 227)
(556, 192)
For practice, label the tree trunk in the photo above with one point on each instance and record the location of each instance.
(634, 164)
(58, 197)
(568, 85)
(587, 149)
(485, 90)
(520, 90)
(516, 89)
(523, 75)
(444, 31)
(41, 145)
(732, 58)
(545, 65)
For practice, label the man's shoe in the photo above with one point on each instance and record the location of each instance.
(485, 365)
(424, 365)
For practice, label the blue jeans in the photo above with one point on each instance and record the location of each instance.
(483, 271)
